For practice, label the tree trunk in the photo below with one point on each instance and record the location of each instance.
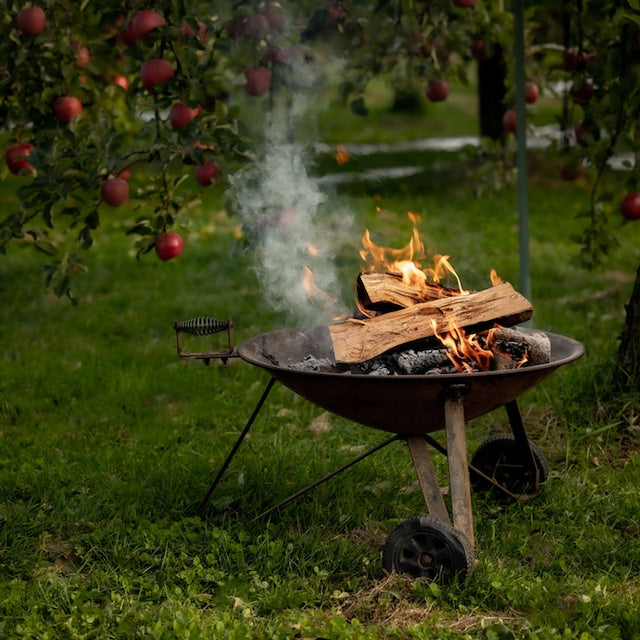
(628, 364)
(491, 94)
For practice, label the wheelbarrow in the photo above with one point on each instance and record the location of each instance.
(438, 546)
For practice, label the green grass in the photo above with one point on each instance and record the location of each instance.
(108, 441)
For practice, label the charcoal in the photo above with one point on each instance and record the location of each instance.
(419, 362)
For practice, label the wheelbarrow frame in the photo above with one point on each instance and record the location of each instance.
(455, 529)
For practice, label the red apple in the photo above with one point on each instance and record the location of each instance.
(125, 174)
(437, 90)
(121, 81)
(205, 173)
(464, 3)
(532, 92)
(169, 245)
(16, 158)
(439, 46)
(509, 120)
(144, 22)
(65, 108)
(274, 14)
(237, 29)
(571, 59)
(128, 35)
(115, 191)
(187, 30)
(155, 71)
(582, 92)
(257, 26)
(478, 50)
(83, 57)
(630, 206)
(258, 80)
(570, 172)
(181, 115)
(31, 21)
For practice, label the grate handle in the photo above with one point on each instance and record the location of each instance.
(205, 327)
(202, 326)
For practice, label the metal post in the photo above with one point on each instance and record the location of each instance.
(521, 148)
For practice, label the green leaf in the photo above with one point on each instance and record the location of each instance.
(86, 241)
(92, 220)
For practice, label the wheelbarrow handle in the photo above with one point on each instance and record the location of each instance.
(203, 326)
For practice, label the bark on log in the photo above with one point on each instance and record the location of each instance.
(382, 291)
(359, 340)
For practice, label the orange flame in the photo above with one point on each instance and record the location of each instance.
(316, 295)
(463, 350)
(407, 260)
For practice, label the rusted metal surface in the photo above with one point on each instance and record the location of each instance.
(403, 404)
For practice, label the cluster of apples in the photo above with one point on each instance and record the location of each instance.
(114, 191)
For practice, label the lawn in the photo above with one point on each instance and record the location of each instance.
(109, 441)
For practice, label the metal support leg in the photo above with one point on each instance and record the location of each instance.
(236, 446)
(458, 465)
(522, 440)
(324, 479)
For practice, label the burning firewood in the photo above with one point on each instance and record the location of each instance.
(382, 292)
(359, 340)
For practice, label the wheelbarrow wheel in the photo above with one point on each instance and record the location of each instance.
(500, 458)
(425, 547)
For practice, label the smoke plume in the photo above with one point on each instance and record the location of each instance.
(280, 206)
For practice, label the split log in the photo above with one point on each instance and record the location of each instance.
(359, 340)
(381, 291)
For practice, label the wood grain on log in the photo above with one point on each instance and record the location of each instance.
(359, 340)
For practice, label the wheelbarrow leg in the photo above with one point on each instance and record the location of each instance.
(427, 478)
(459, 481)
(236, 446)
(522, 440)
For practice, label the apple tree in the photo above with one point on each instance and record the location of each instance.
(93, 92)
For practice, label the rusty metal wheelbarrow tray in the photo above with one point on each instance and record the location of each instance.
(402, 404)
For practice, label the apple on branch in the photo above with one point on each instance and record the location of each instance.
(66, 108)
(437, 90)
(155, 71)
(532, 92)
(169, 245)
(206, 172)
(630, 206)
(509, 120)
(180, 114)
(31, 21)
(144, 22)
(258, 80)
(16, 158)
(83, 57)
(115, 191)
(478, 50)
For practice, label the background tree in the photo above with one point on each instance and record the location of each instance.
(90, 92)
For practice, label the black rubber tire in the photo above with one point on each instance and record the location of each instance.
(425, 547)
(500, 458)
